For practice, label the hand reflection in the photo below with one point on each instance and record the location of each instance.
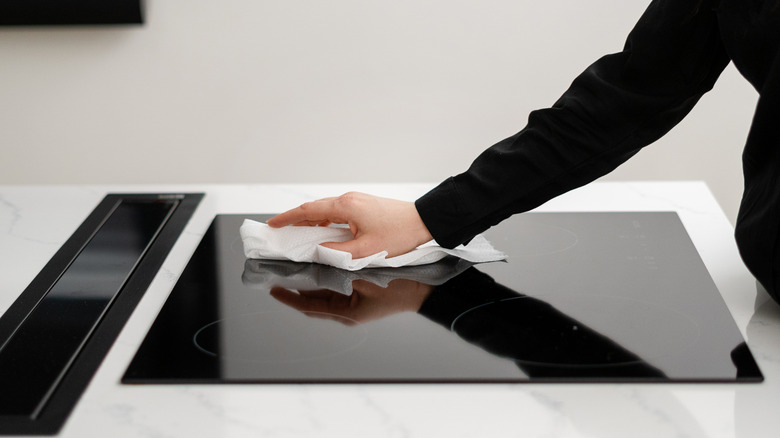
(368, 301)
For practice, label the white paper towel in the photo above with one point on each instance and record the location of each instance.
(302, 244)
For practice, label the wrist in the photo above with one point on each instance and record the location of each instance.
(420, 232)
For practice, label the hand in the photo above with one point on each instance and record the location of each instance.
(368, 301)
(378, 224)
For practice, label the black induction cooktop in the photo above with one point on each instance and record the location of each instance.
(583, 297)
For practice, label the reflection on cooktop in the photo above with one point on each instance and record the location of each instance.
(583, 297)
(309, 336)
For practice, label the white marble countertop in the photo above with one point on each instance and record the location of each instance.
(36, 220)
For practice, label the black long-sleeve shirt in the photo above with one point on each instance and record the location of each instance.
(625, 101)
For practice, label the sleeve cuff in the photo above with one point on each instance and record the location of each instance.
(443, 213)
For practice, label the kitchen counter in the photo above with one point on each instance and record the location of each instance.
(36, 220)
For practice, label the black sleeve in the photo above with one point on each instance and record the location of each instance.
(758, 222)
(620, 104)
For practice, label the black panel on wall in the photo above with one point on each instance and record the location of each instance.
(56, 12)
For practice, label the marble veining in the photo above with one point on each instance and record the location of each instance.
(10, 215)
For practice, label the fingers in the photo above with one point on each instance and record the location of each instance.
(322, 212)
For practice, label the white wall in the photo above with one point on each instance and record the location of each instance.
(323, 91)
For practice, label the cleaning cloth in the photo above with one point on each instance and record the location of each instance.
(303, 244)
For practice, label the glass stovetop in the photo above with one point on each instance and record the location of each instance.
(583, 297)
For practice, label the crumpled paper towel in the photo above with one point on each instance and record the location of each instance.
(302, 244)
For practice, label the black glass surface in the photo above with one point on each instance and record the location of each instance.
(42, 348)
(583, 297)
